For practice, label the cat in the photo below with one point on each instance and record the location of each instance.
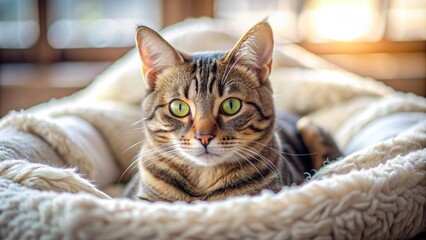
(210, 127)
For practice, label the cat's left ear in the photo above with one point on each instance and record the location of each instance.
(156, 54)
(254, 50)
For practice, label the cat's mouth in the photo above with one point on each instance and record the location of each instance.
(206, 156)
(209, 159)
(208, 151)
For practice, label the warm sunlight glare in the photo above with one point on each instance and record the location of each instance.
(407, 20)
(345, 20)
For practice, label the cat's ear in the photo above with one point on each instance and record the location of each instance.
(254, 50)
(156, 54)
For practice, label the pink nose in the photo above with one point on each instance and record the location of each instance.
(205, 139)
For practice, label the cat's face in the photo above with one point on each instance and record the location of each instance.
(212, 108)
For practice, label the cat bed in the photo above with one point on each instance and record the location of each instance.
(58, 159)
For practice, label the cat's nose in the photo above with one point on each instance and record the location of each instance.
(204, 138)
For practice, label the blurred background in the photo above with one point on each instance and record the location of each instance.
(52, 48)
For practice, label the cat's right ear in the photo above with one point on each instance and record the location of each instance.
(156, 54)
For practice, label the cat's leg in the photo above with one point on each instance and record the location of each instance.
(319, 142)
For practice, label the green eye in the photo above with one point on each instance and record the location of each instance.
(179, 108)
(230, 106)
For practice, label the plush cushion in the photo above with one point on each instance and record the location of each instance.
(382, 129)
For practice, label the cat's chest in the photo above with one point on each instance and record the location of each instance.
(205, 179)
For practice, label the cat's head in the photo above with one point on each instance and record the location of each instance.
(211, 107)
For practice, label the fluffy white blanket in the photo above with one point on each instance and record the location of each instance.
(378, 191)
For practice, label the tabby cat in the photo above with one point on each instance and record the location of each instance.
(210, 126)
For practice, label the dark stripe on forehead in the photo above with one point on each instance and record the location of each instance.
(220, 88)
(204, 74)
(195, 83)
(213, 72)
(194, 67)
(186, 91)
(196, 75)
(188, 84)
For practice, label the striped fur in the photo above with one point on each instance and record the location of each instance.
(209, 155)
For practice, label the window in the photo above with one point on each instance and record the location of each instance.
(46, 31)
(19, 26)
(349, 20)
(407, 20)
(320, 21)
(99, 23)
(282, 14)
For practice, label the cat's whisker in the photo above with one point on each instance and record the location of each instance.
(132, 166)
(270, 165)
(163, 147)
(246, 156)
(140, 128)
(148, 161)
(164, 156)
(137, 127)
(134, 131)
(133, 128)
(256, 153)
(137, 122)
(132, 146)
(137, 158)
(241, 166)
(157, 150)
(276, 150)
